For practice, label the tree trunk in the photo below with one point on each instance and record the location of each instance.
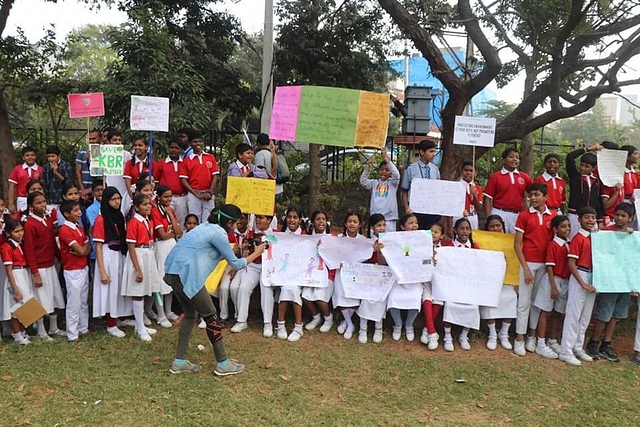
(314, 176)
(7, 154)
(526, 154)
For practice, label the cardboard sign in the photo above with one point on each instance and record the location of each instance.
(28, 311)
(330, 116)
(106, 160)
(252, 195)
(149, 113)
(85, 105)
(477, 131)
(501, 242)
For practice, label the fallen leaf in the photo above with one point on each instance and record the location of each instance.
(97, 402)
(540, 406)
(64, 383)
(479, 405)
(284, 378)
(21, 387)
(269, 365)
(27, 421)
(7, 378)
(155, 359)
(312, 364)
(86, 381)
(507, 420)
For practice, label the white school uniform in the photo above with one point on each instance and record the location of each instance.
(543, 298)
(338, 298)
(223, 292)
(50, 293)
(527, 316)
(242, 286)
(318, 294)
(108, 298)
(24, 283)
(407, 296)
(291, 293)
(151, 279)
(465, 315)
(507, 306)
(162, 249)
(580, 304)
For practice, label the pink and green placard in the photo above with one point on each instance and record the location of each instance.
(330, 116)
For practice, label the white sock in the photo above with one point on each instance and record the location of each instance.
(138, 315)
(541, 343)
(329, 318)
(492, 330)
(464, 334)
(504, 330)
(40, 327)
(363, 325)
(281, 324)
(379, 324)
(317, 317)
(17, 337)
(53, 323)
(168, 301)
(447, 333)
(347, 313)
(297, 327)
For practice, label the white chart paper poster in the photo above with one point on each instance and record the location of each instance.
(338, 249)
(149, 113)
(437, 197)
(366, 281)
(611, 164)
(293, 260)
(409, 255)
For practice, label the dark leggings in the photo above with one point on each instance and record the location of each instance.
(200, 304)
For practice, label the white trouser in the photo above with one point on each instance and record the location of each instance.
(200, 207)
(636, 344)
(526, 295)
(579, 307)
(180, 205)
(77, 282)
(241, 288)
(223, 293)
(267, 302)
(509, 219)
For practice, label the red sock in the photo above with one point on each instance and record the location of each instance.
(428, 309)
(111, 322)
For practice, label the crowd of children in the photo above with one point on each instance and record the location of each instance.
(126, 232)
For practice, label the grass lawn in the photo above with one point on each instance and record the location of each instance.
(320, 380)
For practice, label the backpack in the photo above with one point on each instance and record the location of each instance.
(283, 170)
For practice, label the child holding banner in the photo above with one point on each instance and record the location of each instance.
(406, 296)
(473, 201)
(347, 306)
(533, 234)
(290, 295)
(424, 168)
(383, 190)
(465, 315)
(430, 307)
(507, 307)
(317, 299)
(505, 190)
(582, 293)
(373, 310)
(551, 298)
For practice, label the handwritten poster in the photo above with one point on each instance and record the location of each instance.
(85, 105)
(409, 255)
(366, 281)
(373, 120)
(251, 195)
(500, 242)
(611, 164)
(106, 160)
(293, 260)
(338, 249)
(636, 195)
(437, 197)
(469, 276)
(149, 113)
(478, 131)
(330, 116)
(615, 261)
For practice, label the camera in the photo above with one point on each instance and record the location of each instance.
(257, 240)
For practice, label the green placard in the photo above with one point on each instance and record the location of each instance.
(328, 116)
(111, 160)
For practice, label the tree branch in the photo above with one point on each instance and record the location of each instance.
(4, 14)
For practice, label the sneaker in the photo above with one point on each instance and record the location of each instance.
(519, 349)
(582, 355)
(151, 331)
(58, 333)
(267, 330)
(144, 336)
(342, 327)
(146, 320)
(239, 327)
(424, 336)
(348, 334)
(432, 344)
(187, 367)
(607, 352)
(232, 368)
(202, 324)
(546, 352)
(22, 340)
(464, 344)
(45, 337)
(448, 344)
(315, 322)
(635, 360)
(592, 350)
(377, 336)
(409, 333)
(492, 343)
(151, 315)
(116, 332)
(362, 337)
(570, 360)
(295, 335)
(165, 323)
(530, 344)
(326, 326)
(505, 343)
(397, 332)
(556, 347)
(172, 318)
(126, 323)
(282, 333)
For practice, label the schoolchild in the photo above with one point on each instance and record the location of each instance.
(268, 294)
(169, 175)
(190, 222)
(384, 189)
(431, 308)
(584, 186)
(557, 189)
(424, 168)
(19, 177)
(139, 164)
(473, 200)
(199, 175)
(55, 174)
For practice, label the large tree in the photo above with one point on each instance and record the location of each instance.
(572, 52)
(323, 43)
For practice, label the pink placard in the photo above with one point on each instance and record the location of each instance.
(284, 117)
(85, 105)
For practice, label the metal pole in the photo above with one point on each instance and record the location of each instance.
(267, 66)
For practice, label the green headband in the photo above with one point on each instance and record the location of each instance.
(229, 217)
